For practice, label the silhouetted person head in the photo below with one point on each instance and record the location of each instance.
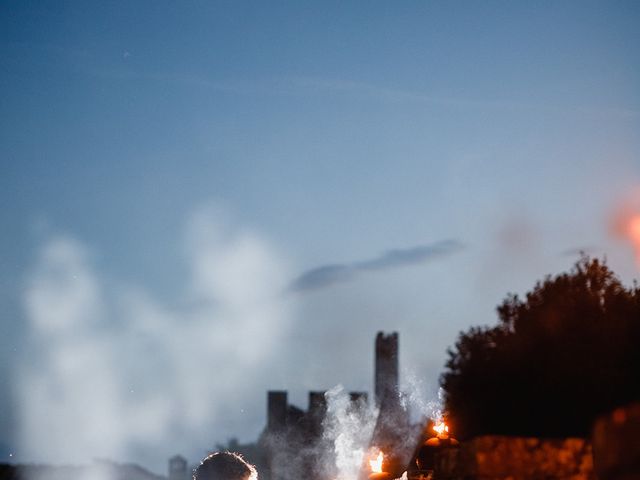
(225, 466)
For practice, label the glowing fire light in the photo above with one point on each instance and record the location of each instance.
(376, 465)
(441, 428)
(633, 230)
(626, 223)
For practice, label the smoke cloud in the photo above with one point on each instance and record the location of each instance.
(112, 371)
(419, 401)
(349, 429)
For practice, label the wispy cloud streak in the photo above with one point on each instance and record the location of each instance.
(309, 85)
(437, 99)
(327, 275)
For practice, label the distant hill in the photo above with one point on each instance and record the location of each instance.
(99, 470)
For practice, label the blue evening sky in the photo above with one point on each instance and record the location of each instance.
(335, 130)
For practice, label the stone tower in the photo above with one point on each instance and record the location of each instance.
(393, 433)
(178, 468)
(386, 366)
(277, 405)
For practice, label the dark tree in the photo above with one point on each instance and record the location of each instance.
(556, 360)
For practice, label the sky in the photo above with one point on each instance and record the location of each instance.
(201, 201)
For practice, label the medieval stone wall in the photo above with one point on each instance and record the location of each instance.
(517, 458)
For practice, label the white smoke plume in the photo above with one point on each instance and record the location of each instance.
(112, 371)
(349, 429)
(418, 399)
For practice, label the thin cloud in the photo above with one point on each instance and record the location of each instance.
(327, 275)
(304, 85)
(402, 95)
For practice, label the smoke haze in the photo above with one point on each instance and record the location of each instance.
(112, 371)
(349, 428)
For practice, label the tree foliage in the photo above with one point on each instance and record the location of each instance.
(557, 359)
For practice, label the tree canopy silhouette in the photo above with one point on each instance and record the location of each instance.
(568, 352)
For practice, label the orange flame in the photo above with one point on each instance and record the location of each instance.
(376, 465)
(441, 429)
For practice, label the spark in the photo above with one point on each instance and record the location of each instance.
(376, 465)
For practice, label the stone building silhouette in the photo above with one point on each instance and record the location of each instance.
(394, 434)
(292, 446)
(292, 443)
